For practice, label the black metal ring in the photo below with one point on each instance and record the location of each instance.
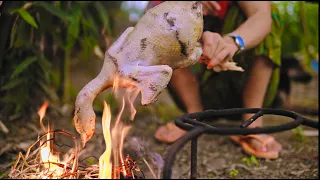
(189, 121)
(194, 124)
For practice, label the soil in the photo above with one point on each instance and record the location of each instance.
(218, 157)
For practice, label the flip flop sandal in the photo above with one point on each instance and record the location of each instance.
(260, 153)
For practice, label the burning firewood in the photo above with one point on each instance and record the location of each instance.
(131, 170)
(42, 160)
(29, 166)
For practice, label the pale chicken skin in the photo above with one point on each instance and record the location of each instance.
(167, 37)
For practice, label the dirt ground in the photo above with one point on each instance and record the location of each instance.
(218, 157)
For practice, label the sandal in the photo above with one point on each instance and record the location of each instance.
(270, 148)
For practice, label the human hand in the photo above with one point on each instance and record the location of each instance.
(217, 49)
(210, 8)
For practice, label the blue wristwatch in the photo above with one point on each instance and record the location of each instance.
(239, 42)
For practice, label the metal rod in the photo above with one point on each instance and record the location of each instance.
(174, 149)
(252, 119)
(194, 153)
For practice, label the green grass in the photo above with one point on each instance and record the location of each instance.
(251, 160)
(233, 173)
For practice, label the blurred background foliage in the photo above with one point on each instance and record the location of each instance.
(38, 42)
(301, 31)
(43, 43)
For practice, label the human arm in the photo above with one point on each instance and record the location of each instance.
(258, 23)
(218, 49)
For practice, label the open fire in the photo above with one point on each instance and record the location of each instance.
(46, 163)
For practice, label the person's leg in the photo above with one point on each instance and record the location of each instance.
(256, 87)
(253, 97)
(186, 86)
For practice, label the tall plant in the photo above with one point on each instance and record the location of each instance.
(38, 39)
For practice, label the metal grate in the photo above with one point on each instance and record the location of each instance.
(195, 126)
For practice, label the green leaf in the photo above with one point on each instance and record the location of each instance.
(103, 15)
(54, 10)
(87, 51)
(13, 33)
(88, 44)
(27, 17)
(254, 160)
(89, 23)
(45, 65)
(22, 34)
(233, 173)
(22, 66)
(12, 84)
(247, 161)
(74, 25)
(298, 132)
(102, 12)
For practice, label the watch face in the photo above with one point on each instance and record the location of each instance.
(240, 42)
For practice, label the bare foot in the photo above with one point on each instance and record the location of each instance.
(169, 133)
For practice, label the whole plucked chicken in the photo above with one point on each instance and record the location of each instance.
(167, 37)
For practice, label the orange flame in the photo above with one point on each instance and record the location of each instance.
(131, 99)
(42, 112)
(117, 140)
(114, 140)
(48, 158)
(124, 133)
(105, 166)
